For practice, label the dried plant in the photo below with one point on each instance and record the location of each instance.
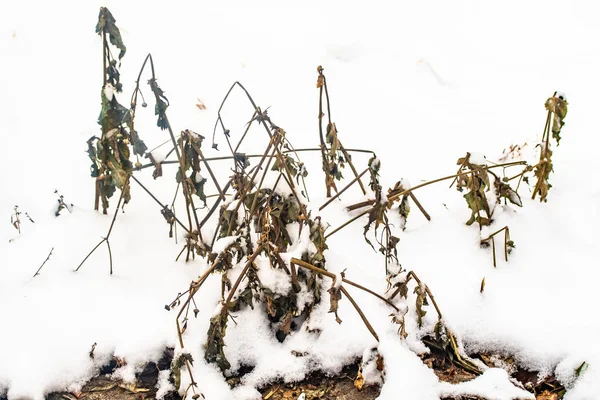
(476, 183)
(15, 220)
(557, 110)
(61, 204)
(475, 179)
(110, 153)
(333, 154)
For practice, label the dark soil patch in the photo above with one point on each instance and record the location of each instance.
(544, 389)
(322, 387)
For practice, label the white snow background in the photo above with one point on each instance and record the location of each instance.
(421, 83)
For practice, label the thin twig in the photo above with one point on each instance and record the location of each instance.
(47, 258)
(159, 203)
(320, 271)
(346, 223)
(343, 190)
(264, 175)
(216, 204)
(224, 158)
(105, 239)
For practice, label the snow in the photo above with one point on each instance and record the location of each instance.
(109, 91)
(493, 384)
(371, 374)
(418, 83)
(224, 243)
(163, 385)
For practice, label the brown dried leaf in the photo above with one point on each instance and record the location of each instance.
(558, 107)
(335, 296)
(420, 302)
(380, 363)
(286, 325)
(320, 81)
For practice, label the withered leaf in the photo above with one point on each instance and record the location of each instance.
(420, 302)
(558, 107)
(215, 342)
(320, 81)
(335, 295)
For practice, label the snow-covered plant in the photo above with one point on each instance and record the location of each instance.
(264, 222)
(445, 339)
(262, 229)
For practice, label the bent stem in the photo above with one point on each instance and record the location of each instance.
(320, 271)
(419, 206)
(359, 311)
